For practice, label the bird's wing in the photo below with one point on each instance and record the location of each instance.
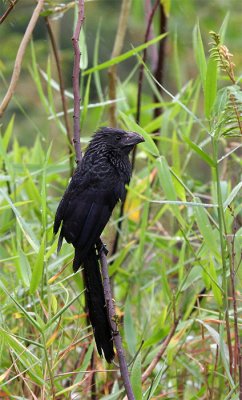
(85, 210)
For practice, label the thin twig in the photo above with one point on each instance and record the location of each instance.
(9, 9)
(152, 50)
(118, 45)
(20, 55)
(76, 81)
(113, 322)
(161, 59)
(141, 70)
(62, 90)
(160, 353)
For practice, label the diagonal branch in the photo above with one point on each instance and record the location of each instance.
(160, 353)
(20, 55)
(113, 322)
(9, 9)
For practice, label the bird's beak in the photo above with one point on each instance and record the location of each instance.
(133, 138)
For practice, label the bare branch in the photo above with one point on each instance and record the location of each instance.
(62, 89)
(9, 9)
(20, 55)
(161, 58)
(112, 318)
(141, 71)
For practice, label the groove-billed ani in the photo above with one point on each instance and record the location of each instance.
(96, 186)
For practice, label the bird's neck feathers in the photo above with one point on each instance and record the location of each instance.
(98, 149)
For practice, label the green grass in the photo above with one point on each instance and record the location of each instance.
(181, 233)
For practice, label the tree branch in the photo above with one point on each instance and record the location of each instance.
(62, 90)
(9, 9)
(116, 335)
(20, 55)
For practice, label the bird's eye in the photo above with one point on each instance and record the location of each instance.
(118, 137)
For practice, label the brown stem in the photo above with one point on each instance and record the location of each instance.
(141, 70)
(153, 53)
(161, 59)
(116, 335)
(62, 89)
(9, 9)
(20, 55)
(118, 45)
(160, 353)
(76, 81)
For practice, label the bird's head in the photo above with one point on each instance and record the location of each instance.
(118, 139)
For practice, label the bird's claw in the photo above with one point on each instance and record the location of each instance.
(102, 248)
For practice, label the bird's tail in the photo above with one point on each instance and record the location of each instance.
(96, 303)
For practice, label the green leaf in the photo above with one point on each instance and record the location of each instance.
(38, 268)
(232, 195)
(218, 339)
(83, 50)
(85, 102)
(43, 190)
(207, 232)
(84, 366)
(95, 62)
(136, 378)
(166, 182)
(199, 54)
(28, 316)
(193, 275)
(215, 288)
(62, 310)
(125, 56)
(129, 330)
(204, 156)
(8, 133)
(113, 396)
(25, 357)
(24, 269)
(36, 76)
(23, 225)
(222, 30)
(210, 86)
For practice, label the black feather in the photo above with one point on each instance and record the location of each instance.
(85, 209)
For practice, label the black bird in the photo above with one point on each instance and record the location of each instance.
(95, 188)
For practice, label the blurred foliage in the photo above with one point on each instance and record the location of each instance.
(182, 225)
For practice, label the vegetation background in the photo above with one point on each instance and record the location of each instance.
(176, 270)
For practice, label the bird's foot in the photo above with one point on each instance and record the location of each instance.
(101, 247)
